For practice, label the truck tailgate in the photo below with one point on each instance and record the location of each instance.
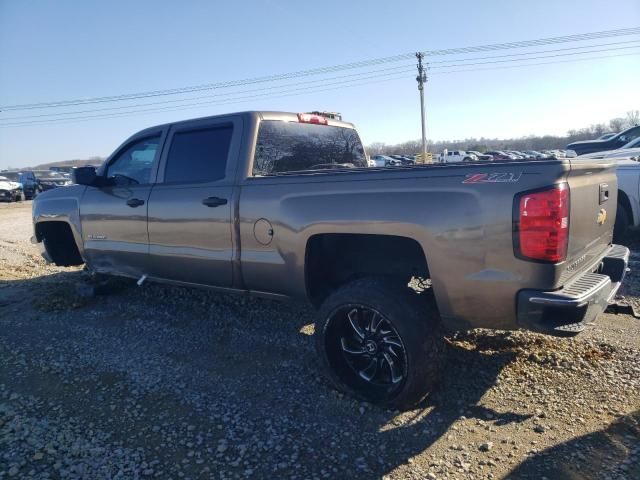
(594, 192)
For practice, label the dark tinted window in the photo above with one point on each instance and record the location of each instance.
(198, 155)
(133, 165)
(629, 135)
(289, 146)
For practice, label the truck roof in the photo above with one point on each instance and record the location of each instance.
(259, 114)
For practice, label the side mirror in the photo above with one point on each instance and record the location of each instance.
(84, 175)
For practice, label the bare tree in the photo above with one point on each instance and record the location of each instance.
(633, 118)
(531, 142)
(617, 124)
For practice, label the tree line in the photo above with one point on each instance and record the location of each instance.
(531, 142)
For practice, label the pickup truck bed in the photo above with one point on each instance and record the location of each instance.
(263, 202)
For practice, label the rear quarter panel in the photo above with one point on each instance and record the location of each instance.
(465, 230)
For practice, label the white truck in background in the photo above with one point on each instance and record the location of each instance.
(456, 156)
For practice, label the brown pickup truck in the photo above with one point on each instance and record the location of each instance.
(285, 205)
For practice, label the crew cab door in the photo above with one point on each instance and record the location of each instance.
(190, 207)
(114, 215)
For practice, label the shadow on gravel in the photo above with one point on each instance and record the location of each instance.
(584, 457)
(472, 369)
(223, 357)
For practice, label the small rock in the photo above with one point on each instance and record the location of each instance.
(486, 446)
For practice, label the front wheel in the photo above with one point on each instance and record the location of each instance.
(379, 341)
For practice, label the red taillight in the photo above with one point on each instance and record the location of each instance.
(543, 224)
(310, 118)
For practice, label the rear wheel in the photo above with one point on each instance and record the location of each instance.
(379, 341)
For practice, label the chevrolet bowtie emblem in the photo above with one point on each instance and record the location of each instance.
(602, 216)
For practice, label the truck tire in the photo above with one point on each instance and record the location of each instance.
(379, 341)
(621, 227)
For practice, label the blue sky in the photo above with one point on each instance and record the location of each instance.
(79, 49)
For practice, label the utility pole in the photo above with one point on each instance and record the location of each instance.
(421, 78)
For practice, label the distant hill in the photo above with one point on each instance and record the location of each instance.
(70, 163)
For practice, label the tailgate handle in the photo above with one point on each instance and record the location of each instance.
(604, 193)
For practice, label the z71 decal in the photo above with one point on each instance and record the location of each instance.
(507, 177)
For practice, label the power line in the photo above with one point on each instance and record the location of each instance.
(534, 43)
(215, 102)
(366, 74)
(273, 87)
(301, 91)
(535, 52)
(543, 56)
(329, 69)
(536, 64)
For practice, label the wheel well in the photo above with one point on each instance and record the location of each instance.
(59, 242)
(623, 200)
(334, 259)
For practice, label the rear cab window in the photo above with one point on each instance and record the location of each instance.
(284, 147)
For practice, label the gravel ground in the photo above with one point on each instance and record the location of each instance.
(165, 382)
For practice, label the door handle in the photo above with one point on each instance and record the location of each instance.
(135, 202)
(214, 201)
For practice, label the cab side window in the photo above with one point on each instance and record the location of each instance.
(198, 155)
(133, 165)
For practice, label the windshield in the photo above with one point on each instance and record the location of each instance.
(13, 176)
(47, 174)
(628, 135)
(632, 144)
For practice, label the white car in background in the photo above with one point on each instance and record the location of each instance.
(383, 161)
(628, 173)
(10, 191)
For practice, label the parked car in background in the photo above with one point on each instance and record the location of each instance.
(612, 143)
(481, 156)
(500, 155)
(607, 136)
(48, 179)
(403, 159)
(628, 173)
(27, 179)
(631, 145)
(518, 154)
(383, 161)
(455, 156)
(10, 191)
(534, 154)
